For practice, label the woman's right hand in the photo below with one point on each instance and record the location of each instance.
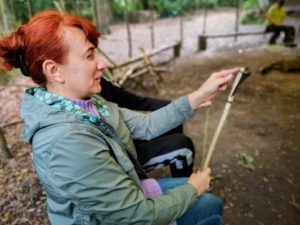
(200, 180)
(217, 82)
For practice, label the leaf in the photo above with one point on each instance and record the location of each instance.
(246, 161)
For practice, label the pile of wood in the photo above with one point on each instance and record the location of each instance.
(119, 73)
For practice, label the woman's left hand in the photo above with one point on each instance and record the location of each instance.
(217, 82)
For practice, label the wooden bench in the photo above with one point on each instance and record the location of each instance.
(202, 40)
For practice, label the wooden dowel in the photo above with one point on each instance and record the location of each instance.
(222, 120)
(204, 151)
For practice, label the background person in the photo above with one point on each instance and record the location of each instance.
(274, 21)
(82, 148)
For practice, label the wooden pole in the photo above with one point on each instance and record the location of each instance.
(237, 18)
(223, 117)
(94, 10)
(204, 150)
(128, 29)
(204, 19)
(4, 18)
(30, 11)
(152, 25)
(181, 28)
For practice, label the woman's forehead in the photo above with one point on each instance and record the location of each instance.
(75, 39)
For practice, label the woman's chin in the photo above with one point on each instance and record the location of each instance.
(96, 90)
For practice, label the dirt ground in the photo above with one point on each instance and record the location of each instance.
(256, 161)
(263, 124)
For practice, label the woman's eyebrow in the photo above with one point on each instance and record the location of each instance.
(90, 49)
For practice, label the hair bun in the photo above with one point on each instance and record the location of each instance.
(20, 63)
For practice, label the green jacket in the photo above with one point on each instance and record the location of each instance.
(83, 182)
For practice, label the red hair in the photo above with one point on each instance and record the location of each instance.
(40, 39)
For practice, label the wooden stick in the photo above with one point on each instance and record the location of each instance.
(204, 150)
(148, 61)
(223, 118)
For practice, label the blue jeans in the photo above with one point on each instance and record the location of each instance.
(208, 210)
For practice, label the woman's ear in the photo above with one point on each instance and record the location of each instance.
(52, 71)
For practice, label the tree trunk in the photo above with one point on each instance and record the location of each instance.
(126, 17)
(181, 27)
(152, 24)
(4, 18)
(30, 11)
(3, 146)
(204, 19)
(101, 14)
(237, 18)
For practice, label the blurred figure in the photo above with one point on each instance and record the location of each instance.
(274, 21)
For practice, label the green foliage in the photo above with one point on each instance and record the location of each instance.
(253, 15)
(252, 18)
(167, 8)
(250, 4)
(119, 7)
(18, 10)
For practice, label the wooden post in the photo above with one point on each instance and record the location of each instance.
(202, 42)
(3, 146)
(237, 18)
(128, 29)
(177, 49)
(94, 10)
(152, 24)
(30, 11)
(4, 18)
(204, 19)
(181, 28)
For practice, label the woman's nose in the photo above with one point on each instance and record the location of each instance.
(101, 65)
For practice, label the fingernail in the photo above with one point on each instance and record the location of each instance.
(230, 76)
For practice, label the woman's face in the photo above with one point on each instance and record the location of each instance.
(83, 67)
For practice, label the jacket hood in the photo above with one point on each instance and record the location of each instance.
(37, 115)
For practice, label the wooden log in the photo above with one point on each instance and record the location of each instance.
(155, 52)
(3, 146)
(235, 34)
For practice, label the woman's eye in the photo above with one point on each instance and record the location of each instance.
(91, 55)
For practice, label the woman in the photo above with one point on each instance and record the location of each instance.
(82, 145)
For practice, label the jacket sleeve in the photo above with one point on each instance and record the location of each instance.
(148, 126)
(82, 169)
(129, 100)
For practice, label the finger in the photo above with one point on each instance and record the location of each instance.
(224, 73)
(229, 71)
(222, 87)
(205, 104)
(224, 80)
